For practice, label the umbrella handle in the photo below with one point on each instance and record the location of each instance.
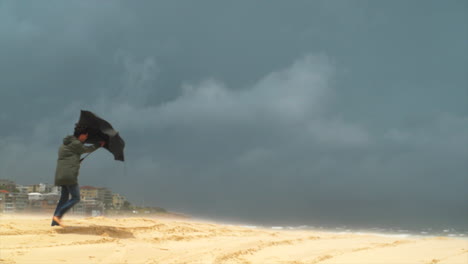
(85, 157)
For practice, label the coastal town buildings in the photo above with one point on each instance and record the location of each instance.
(44, 197)
(14, 201)
(118, 201)
(7, 185)
(88, 192)
(105, 195)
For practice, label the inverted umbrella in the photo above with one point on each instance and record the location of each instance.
(100, 130)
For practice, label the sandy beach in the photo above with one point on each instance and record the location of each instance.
(31, 239)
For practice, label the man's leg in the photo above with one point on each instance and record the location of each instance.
(74, 190)
(64, 196)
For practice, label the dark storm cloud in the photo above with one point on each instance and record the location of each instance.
(239, 111)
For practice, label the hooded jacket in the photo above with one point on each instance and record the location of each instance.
(68, 163)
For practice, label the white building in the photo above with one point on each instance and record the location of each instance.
(35, 196)
(22, 188)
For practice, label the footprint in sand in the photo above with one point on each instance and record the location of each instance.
(7, 261)
(322, 258)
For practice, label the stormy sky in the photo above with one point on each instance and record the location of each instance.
(298, 112)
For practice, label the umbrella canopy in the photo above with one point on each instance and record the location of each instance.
(100, 130)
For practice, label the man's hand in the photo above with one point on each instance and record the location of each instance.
(102, 143)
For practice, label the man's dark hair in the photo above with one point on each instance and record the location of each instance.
(79, 129)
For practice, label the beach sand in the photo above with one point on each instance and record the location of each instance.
(31, 239)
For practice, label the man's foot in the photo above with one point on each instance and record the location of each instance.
(57, 221)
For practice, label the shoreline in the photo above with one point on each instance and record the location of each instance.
(390, 232)
(31, 239)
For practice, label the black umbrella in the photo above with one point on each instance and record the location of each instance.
(100, 130)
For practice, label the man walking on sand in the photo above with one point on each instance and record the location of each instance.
(68, 166)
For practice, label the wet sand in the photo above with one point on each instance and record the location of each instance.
(31, 239)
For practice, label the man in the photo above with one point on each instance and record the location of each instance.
(66, 174)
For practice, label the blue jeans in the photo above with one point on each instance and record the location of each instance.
(65, 203)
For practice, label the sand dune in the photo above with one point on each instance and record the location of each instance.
(144, 240)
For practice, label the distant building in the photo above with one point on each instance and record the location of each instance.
(15, 202)
(22, 188)
(46, 202)
(44, 197)
(88, 192)
(118, 201)
(97, 193)
(40, 188)
(94, 200)
(3, 196)
(32, 188)
(34, 196)
(7, 185)
(56, 189)
(105, 196)
(89, 206)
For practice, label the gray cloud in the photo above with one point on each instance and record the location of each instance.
(249, 119)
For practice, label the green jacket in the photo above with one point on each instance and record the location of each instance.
(68, 163)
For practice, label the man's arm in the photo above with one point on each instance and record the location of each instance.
(80, 148)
